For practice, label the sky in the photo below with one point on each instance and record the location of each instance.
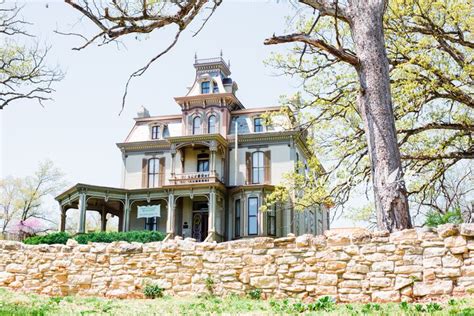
(78, 130)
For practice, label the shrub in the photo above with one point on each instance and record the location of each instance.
(434, 218)
(133, 236)
(255, 294)
(153, 291)
(210, 285)
(50, 239)
(107, 237)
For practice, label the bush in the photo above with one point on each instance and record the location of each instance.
(133, 236)
(50, 239)
(107, 237)
(434, 218)
(153, 291)
(255, 294)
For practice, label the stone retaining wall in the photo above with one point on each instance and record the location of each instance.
(350, 265)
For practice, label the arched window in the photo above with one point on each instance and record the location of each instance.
(205, 87)
(257, 167)
(196, 125)
(153, 172)
(215, 87)
(211, 124)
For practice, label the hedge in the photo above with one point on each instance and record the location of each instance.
(106, 237)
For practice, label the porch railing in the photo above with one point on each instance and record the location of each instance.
(194, 177)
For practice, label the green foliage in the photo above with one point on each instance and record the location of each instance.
(106, 237)
(132, 236)
(434, 218)
(255, 294)
(210, 285)
(153, 291)
(325, 303)
(50, 239)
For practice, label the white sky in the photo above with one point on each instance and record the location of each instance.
(79, 129)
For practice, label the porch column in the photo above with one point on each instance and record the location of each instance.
(125, 225)
(82, 213)
(173, 162)
(103, 220)
(213, 150)
(212, 211)
(170, 221)
(62, 223)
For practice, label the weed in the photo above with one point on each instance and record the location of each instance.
(255, 294)
(153, 291)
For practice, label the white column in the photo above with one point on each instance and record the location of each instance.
(170, 221)
(82, 213)
(212, 211)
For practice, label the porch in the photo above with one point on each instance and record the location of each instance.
(195, 211)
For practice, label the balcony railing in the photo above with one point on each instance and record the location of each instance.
(194, 177)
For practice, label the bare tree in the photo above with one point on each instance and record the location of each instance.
(23, 70)
(364, 18)
(9, 190)
(117, 18)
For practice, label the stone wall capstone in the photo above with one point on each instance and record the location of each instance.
(352, 265)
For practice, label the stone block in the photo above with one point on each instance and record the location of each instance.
(385, 296)
(440, 287)
(451, 262)
(380, 282)
(467, 229)
(264, 282)
(403, 235)
(447, 230)
(434, 252)
(327, 279)
(434, 262)
(383, 266)
(16, 268)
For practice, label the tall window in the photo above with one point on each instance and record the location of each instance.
(166, 131)
(253, 215)
(257, 167)
(205, 86)
(151, 223)
(215, 87)
(257, 125)
(155, 132)
(271, 221)
(211, 124)
(153, 172)
(203, 163)
(196, 125)
(237, 218)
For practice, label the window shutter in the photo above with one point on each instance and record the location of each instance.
(248, 162)
(267, 166)
(144, 173)
(162, 171)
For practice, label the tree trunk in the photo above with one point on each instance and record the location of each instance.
(375, 106)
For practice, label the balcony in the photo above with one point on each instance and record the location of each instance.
(194, 177)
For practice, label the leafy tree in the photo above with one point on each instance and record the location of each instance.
(430, 49)
(23, 70)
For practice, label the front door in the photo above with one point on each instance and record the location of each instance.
(200, 220)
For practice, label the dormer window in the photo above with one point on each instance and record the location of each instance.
(196, 125)
(215, 87)
(205, 87)
(211, 124)
(258, 124)
(155, 132)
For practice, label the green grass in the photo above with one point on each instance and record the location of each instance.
(12, 303)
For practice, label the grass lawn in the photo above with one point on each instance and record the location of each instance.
(12, 303)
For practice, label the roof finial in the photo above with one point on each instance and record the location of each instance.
(221, 53)
(195, 57)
